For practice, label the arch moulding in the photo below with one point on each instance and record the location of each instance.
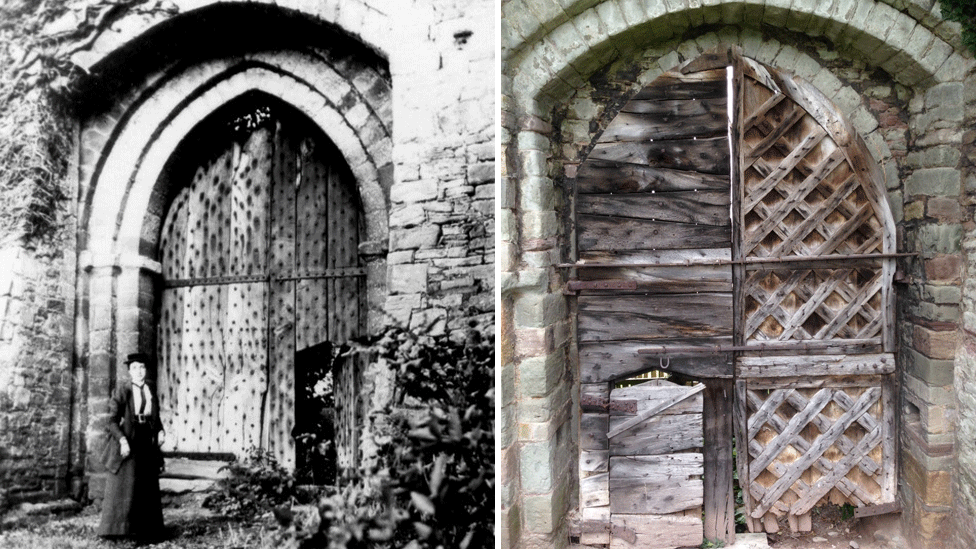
(122, 205)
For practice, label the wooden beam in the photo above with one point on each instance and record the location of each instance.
(719, 507)
(643, 416)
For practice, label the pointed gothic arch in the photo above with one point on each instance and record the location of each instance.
(130, 139)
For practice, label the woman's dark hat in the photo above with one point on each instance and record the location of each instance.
(137, 357)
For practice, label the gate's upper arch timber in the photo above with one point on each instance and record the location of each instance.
(131, 164)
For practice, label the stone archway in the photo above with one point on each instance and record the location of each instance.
(550, 59)
(126, 144)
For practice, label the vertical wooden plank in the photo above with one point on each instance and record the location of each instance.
(889, 443)
(249, 212)
(218, 214)
(280, 408)
(741, 409)
(279, 416)
(311, 247)
(719, 506)
(173, 240)
(190, 395)
(344, 228)
(170, 360)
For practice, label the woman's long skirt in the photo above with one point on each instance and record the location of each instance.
(132, 505)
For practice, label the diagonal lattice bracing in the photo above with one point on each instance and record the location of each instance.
(818, 304)
(803, 447)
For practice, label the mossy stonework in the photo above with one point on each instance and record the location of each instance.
(405, 95)
(901, 76)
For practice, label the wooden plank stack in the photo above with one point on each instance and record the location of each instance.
(647, 473)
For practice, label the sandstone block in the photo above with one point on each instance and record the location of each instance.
(938, 345)
(939, 238)
(508, 434)
(945, 209)
(543, 512)
(935, 372)
(534, 162)
(508, 377)
(539, 374)
(536, 461)
(423, 236)
(407, 279)
(481, 173)
(544, 409)
(413, 191)
(534, 341)
(934, 182)
(538, 310)
(946, 268)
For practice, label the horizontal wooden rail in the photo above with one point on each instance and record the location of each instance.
(692, 350)
(345, 272)
(748, 261)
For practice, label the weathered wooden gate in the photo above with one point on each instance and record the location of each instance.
(816, 249)
(260, 260)
(729, 216)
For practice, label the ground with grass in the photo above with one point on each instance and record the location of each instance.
(189, 526)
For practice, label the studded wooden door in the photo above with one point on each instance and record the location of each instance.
(777, 257)
(260, 261)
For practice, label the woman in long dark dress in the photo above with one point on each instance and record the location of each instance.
(132, 506)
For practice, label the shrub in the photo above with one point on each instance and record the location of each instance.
(964, 12)
(433, 482)
(443, 458)
(255, 485)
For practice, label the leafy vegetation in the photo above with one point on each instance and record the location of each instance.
(255, 485)
(432, 484)
(964, 12)
(37, 84)
(443, 457)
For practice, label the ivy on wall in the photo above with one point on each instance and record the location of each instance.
(38, 80)
(964, 12)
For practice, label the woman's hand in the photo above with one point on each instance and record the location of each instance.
(161, 439)
(124, 447)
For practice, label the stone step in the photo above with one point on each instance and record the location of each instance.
(194, 469)
(184, 486)
(30, 513)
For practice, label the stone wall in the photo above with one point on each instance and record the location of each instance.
(38, 451)
(894, 68)
(929, 309)
(442, 203)
(964, 383)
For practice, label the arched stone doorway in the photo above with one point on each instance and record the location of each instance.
(731, 229)
(133, 142)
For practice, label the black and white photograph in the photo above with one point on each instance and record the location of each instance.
(247, 274)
